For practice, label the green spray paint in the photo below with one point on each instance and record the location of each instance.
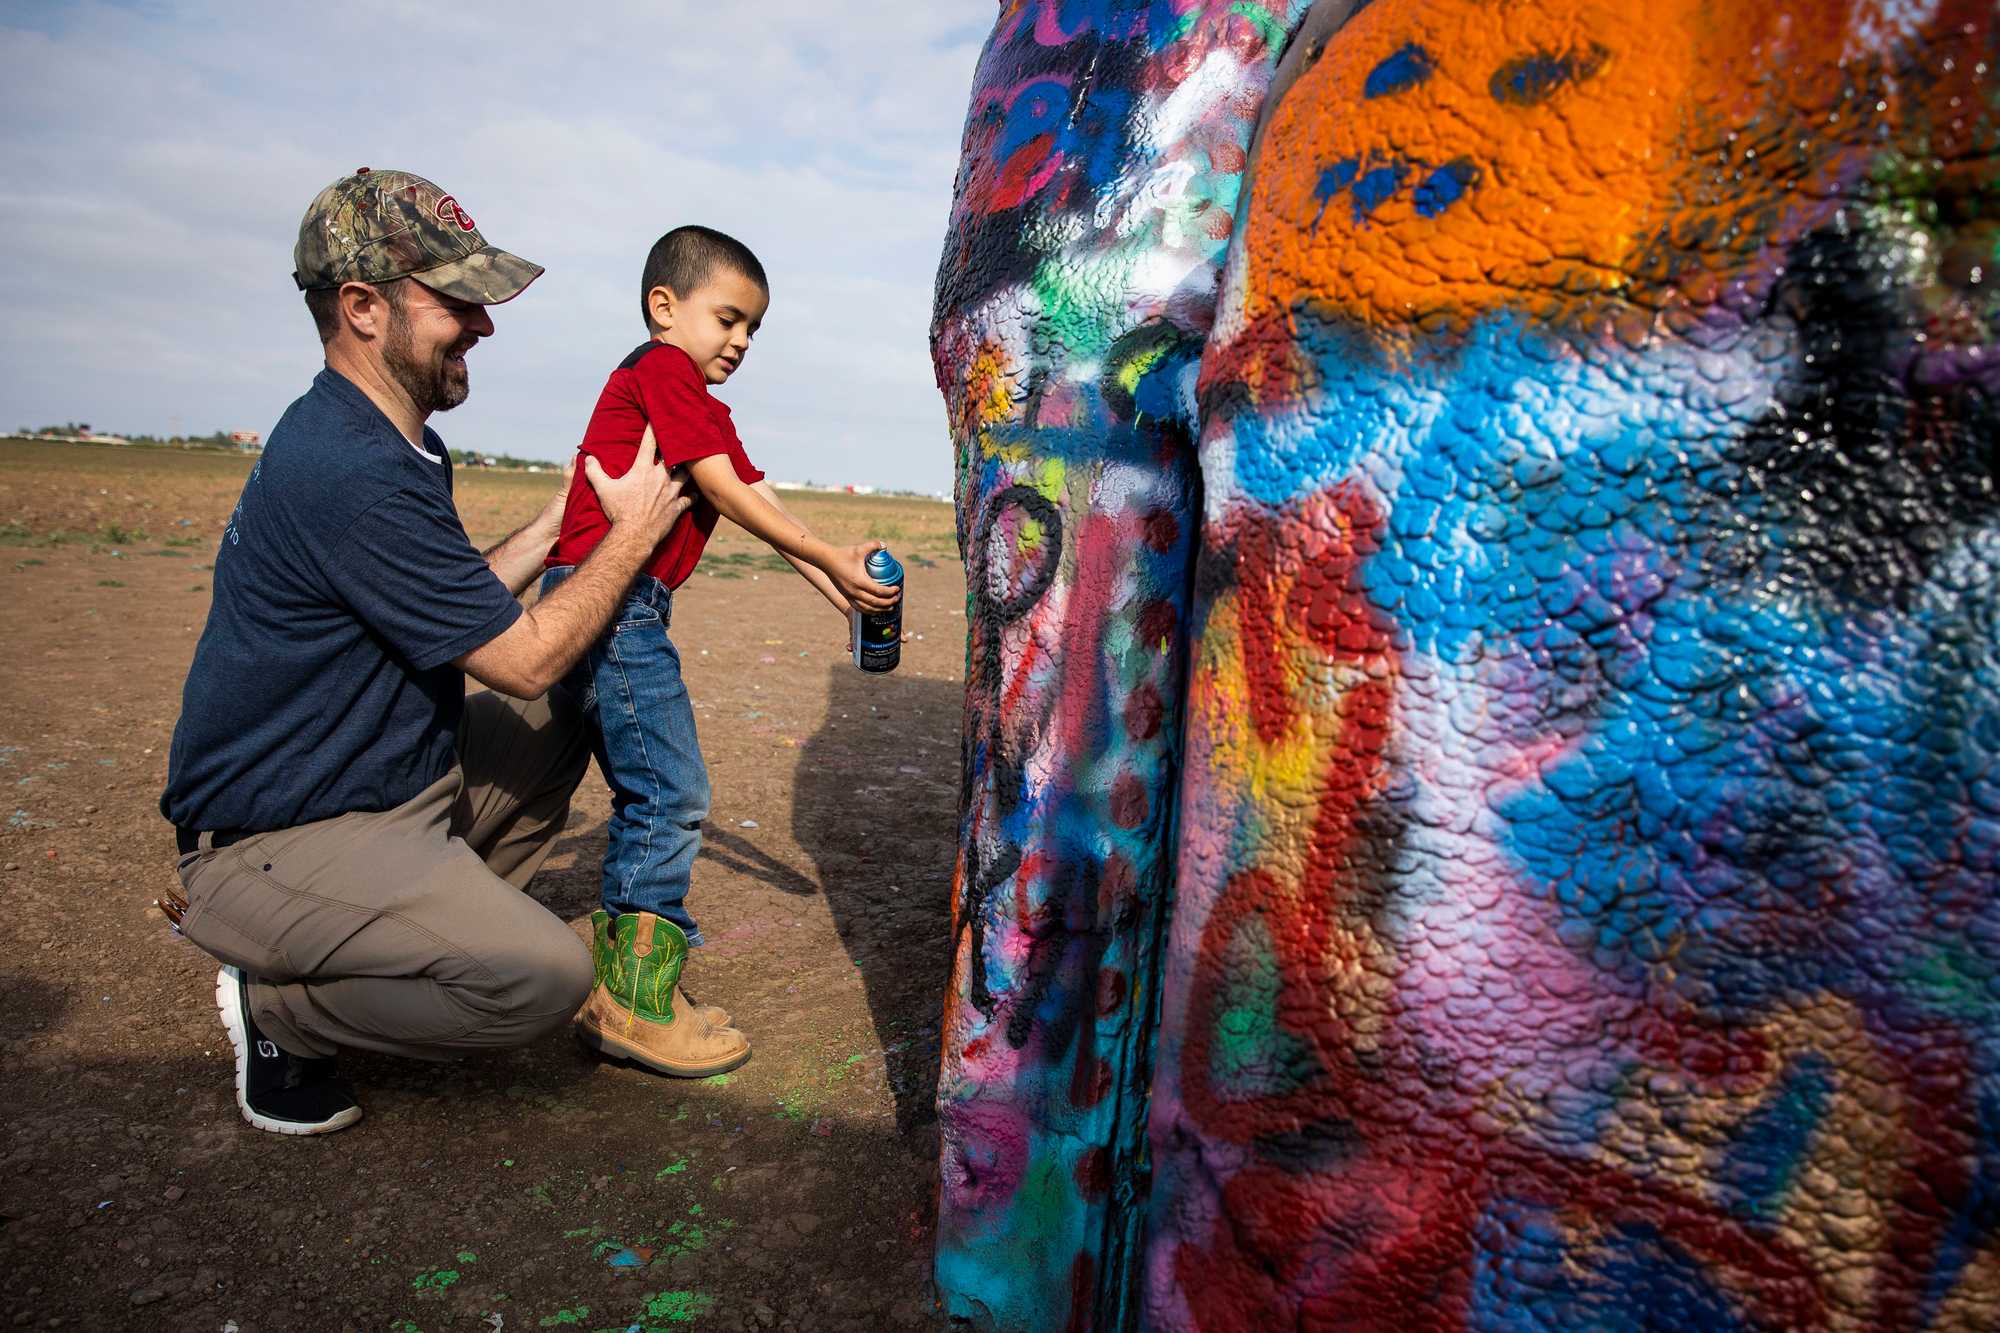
(438, 1279)
(1251, 1054)
(663, 1309)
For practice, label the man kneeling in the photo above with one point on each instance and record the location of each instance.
(354, 832)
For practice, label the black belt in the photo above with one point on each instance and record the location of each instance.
(189, 839)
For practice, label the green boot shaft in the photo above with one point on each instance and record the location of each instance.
(600, 943)
(640, 961)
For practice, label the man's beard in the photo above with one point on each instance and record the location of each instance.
(437, 387)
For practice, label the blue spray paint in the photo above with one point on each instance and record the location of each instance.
(878, 635)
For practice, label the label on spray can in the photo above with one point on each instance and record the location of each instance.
(878, 636)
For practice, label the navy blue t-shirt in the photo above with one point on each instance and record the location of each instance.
(344, 587)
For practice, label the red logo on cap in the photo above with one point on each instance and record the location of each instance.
(448, 212)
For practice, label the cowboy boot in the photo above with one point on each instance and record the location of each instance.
(635, 1011)
(600, 950)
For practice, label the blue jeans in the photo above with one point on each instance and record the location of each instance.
(642, 726)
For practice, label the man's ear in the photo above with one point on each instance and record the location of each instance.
(662, 306)
(364, 311)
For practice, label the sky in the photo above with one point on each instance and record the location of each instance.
(158, 157)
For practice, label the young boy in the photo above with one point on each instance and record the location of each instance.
(704, 295)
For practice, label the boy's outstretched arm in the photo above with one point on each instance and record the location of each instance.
(811, 573)
(843, 566)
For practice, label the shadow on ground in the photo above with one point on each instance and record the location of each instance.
(874, 806)
(876, 809)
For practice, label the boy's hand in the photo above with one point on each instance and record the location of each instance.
(647, 496)
(849, 571)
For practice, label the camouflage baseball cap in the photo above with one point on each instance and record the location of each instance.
(375, 226)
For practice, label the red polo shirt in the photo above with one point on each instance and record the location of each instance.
(658, 383)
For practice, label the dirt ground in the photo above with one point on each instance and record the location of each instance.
(536, 1189)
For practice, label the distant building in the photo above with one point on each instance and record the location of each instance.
(246, 439)
(73, 435)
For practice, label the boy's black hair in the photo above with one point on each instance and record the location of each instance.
(682, 260)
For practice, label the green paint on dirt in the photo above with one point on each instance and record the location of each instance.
(612, 1246)
(684, 1239)
(668, 1307)
(803, 1102)
(629, 1256)
(437, 1279)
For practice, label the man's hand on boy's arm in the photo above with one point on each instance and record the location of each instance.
(539, 648)
(741, 504)
(516, 559)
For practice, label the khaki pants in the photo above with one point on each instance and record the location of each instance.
(406, 931)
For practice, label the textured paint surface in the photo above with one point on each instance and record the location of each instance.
(1103, 155)
(1589, 883)
(1587, 876)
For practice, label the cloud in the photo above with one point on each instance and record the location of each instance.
(159, 156)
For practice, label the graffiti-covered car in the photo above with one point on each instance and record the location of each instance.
(1486, 630)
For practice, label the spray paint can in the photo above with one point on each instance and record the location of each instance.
(878, 636)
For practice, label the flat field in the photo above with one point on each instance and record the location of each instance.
(541, 1188)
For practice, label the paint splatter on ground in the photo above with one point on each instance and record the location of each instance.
(527, 1162)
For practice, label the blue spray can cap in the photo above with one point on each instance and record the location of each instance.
(884, 568)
